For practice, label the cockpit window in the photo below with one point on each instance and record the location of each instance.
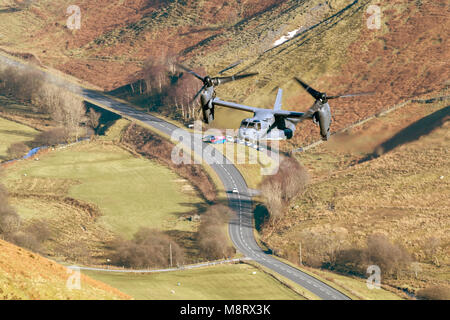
(251, 125)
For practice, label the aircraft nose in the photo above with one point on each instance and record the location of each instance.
(247, 133)
(241, 133)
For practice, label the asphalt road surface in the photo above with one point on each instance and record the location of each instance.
(241, 227)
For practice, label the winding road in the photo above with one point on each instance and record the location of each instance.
(240, 227)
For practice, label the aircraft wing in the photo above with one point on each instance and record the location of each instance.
(295, 116)
(289, 114)
(233, 105)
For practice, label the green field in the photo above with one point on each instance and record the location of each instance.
(12, 132)
(130, 192)
(236, 282)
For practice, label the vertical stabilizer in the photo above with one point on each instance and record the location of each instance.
(277, 105)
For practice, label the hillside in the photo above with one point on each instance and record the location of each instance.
(334, 51)
(116, 36)
(389, 176)
(83, 204)
(25, 275)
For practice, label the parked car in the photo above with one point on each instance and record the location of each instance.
(215, 139)
(230, 138)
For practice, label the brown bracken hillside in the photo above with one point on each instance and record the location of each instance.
(26, 275)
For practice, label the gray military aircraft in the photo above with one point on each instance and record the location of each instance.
(268, 124)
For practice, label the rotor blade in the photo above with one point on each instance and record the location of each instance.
(352, 95)
(196, 95)
(314, 93)
(231, 66)
(221, 80)
(189, 71)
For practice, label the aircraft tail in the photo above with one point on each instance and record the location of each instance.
(277, 105)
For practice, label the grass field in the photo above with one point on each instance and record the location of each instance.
(130, 192)
(12, 132)
(234, 282)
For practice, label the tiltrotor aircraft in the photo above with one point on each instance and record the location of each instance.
(267, 124)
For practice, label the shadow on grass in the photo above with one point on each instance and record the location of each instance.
(9, 10)
(17, 133)
(411, 133)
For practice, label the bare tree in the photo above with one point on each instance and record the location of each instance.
(435, 292)
(391, 258)
(272, 192)
(93, 118)
(279, 189)
(182, 95)
(148, 248)
(64, 107)
(22, 84)
(211, 236)
(17, 150)
(9, 219)
(157, 71)
(51, 137)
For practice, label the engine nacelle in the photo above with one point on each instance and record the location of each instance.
(206, 98)
(288, 133)
(208, 113)
(323, 117)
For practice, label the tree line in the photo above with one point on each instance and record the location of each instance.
(164, 89)
(67, 110)
(152, 248)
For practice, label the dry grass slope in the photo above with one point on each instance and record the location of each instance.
(402, 194)
(25, 275)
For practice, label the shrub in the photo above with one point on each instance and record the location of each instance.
(39, 230)
(279, 189)
(9, 219)
(50, 138)
(93, 118)
(25, 240)
(17, 150)
(30, 237)
(23, 84)
(212, 236)
(389, 257)
(434, 293)
(350, 261)
(149, 248)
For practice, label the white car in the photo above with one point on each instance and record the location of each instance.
(230, 138)
(235, 190)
